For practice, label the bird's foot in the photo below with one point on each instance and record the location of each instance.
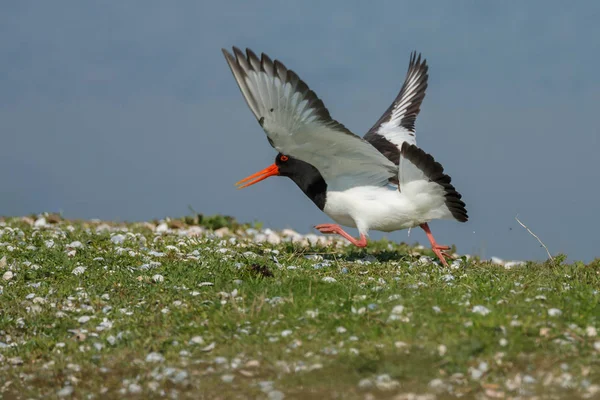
(336, 229)
(438, 250)
(328, 228)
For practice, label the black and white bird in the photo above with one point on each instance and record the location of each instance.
(383, 182)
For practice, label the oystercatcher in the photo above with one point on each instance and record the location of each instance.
(383, 182)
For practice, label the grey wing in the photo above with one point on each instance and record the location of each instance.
(298, 124)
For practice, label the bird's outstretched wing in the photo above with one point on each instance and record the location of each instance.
(397, 124)
(298, 124)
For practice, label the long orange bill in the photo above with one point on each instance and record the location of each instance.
(271, 170)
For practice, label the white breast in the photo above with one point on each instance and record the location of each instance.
(385, 208)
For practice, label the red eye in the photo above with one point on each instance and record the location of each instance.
(284, 158)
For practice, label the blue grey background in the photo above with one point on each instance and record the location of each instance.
(128, 111)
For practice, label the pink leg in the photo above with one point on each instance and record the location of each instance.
(334, 228)
(437, 249)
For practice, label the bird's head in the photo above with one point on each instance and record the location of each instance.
(284, 166)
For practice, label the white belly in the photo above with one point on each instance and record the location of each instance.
(385, 208)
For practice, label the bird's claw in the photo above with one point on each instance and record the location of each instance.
(327, 228)
(441, 254)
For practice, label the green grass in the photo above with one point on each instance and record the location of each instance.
(309, 337)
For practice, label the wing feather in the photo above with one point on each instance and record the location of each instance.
(397, 124)
(418, 166)
(298, 124)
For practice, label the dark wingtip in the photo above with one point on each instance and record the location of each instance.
(228, 55)
(250, 54)
(435, 172)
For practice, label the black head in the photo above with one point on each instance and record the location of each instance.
(290, 166)
(302, 173)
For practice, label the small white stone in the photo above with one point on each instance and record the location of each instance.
(84, 319)
(75, 245)
(597, 345)
(554, 312)
(40, 223)
(155, 357)
(162, 228)
(480, 310)
(74, 367)
(398, 309)
(365, 384)
(476, 374)
(329, 279)
(118, 239)
(227, 378)
(273, 239)
(66, 391)
(386, 383)
(111, 340)
(197, 340)
(15, 361)
(49, 243)
(286, 333)
(437, 385)
(497, 260)
(276, 395)
(503, 342)
(153, 386)
(106, 324)
(158, 278)
(442, 349)
(78, 270)
(8, 275)
(134, 388)
(511, 264)
(590, 331)
(210, 347)
(340, 329)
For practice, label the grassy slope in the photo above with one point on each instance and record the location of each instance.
(310, 338)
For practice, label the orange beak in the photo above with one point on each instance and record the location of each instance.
(271, 170)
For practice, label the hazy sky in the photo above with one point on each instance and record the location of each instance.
(128, 111)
